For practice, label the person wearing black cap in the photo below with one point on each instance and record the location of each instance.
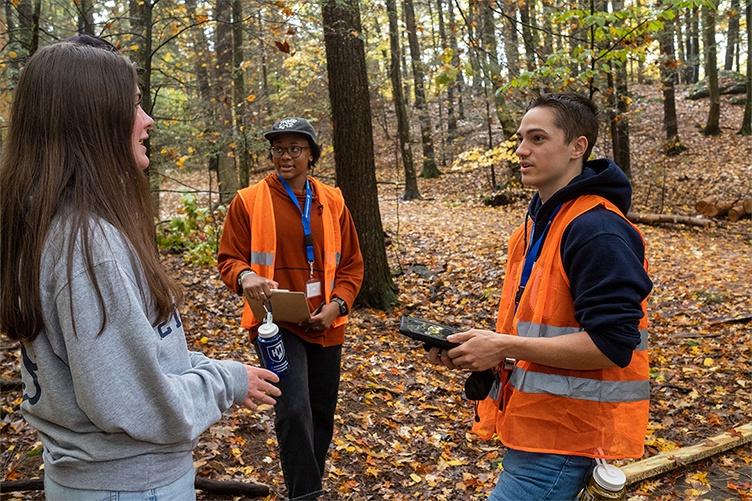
(291, 231)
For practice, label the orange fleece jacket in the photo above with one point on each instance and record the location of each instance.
(290, 267)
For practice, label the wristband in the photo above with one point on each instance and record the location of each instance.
(242, 275)
(342, 305)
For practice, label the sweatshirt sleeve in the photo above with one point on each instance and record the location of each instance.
(133, 377)
(349, 276)
(603, 258)
(234, 253)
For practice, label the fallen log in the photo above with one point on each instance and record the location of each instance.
(736, 213)
(27, 484)
(10, 385)
(667, 218)
(741, 210)
(706, 206)
(226, 487)
(672, 460)
(710, 207)
(732, 320)
(232, 487)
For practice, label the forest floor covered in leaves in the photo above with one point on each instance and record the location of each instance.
(402, 424)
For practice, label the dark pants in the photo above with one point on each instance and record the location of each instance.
(304, 414)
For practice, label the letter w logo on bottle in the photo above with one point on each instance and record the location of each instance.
(277, 352)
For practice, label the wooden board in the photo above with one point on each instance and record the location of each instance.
(671, 460)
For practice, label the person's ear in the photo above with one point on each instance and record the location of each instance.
(579, 146)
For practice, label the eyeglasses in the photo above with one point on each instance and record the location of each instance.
(293, 151)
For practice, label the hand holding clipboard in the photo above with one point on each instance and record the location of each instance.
(286, 306)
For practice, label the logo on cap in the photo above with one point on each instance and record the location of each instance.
(287, 123)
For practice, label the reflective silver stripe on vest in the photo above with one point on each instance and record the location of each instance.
(643, 340)
(579, 388)
(528, 329)
(337, 257)
(262, 258)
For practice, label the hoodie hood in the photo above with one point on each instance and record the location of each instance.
(599, 177)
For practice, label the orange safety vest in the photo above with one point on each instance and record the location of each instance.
(594, 413)
(258, 203)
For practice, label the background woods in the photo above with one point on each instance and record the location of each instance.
(215, 74)
(418, 100)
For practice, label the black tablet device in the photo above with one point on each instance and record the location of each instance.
(430, 333)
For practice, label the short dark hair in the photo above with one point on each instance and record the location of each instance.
(574, 113)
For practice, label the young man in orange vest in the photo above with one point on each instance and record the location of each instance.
(571, 367)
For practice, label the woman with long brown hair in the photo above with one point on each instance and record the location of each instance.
(109, 383)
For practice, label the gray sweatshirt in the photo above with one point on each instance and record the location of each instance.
(121, 410)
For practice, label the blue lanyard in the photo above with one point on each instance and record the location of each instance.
(305, 216)
(532, 256)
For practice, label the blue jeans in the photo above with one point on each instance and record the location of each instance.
(538, 477)
(181, 489)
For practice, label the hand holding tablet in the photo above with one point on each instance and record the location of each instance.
(431, 334)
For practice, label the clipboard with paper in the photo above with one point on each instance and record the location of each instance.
(286, 306)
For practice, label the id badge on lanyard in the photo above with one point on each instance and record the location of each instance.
(313, 285)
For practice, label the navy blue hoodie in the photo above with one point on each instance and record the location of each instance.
(602, 256)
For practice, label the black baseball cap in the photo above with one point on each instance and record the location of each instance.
(295, 125)
(291, 125)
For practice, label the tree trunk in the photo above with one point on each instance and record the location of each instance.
(678, 25)
(527, 17)
(619, 121)
(432, 76)
(574, 64)
(85, 16)
(13, 46)
(203, 60)
(712, 127)
(403, 125)
(459, 83)
(640, 57)
(509, 28)
(668, 66)
(403, 63)
(227, 175)
(25, 24)
(141, 25)
(35, 27)
(429, 169)
(732, 40)
(694, 54)
(264, 65)
(353, 144)
(451, 116)
(239, 101)
(548, 40)
(201, 53)
(477, 57)
(493, 74)
(746, 128)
